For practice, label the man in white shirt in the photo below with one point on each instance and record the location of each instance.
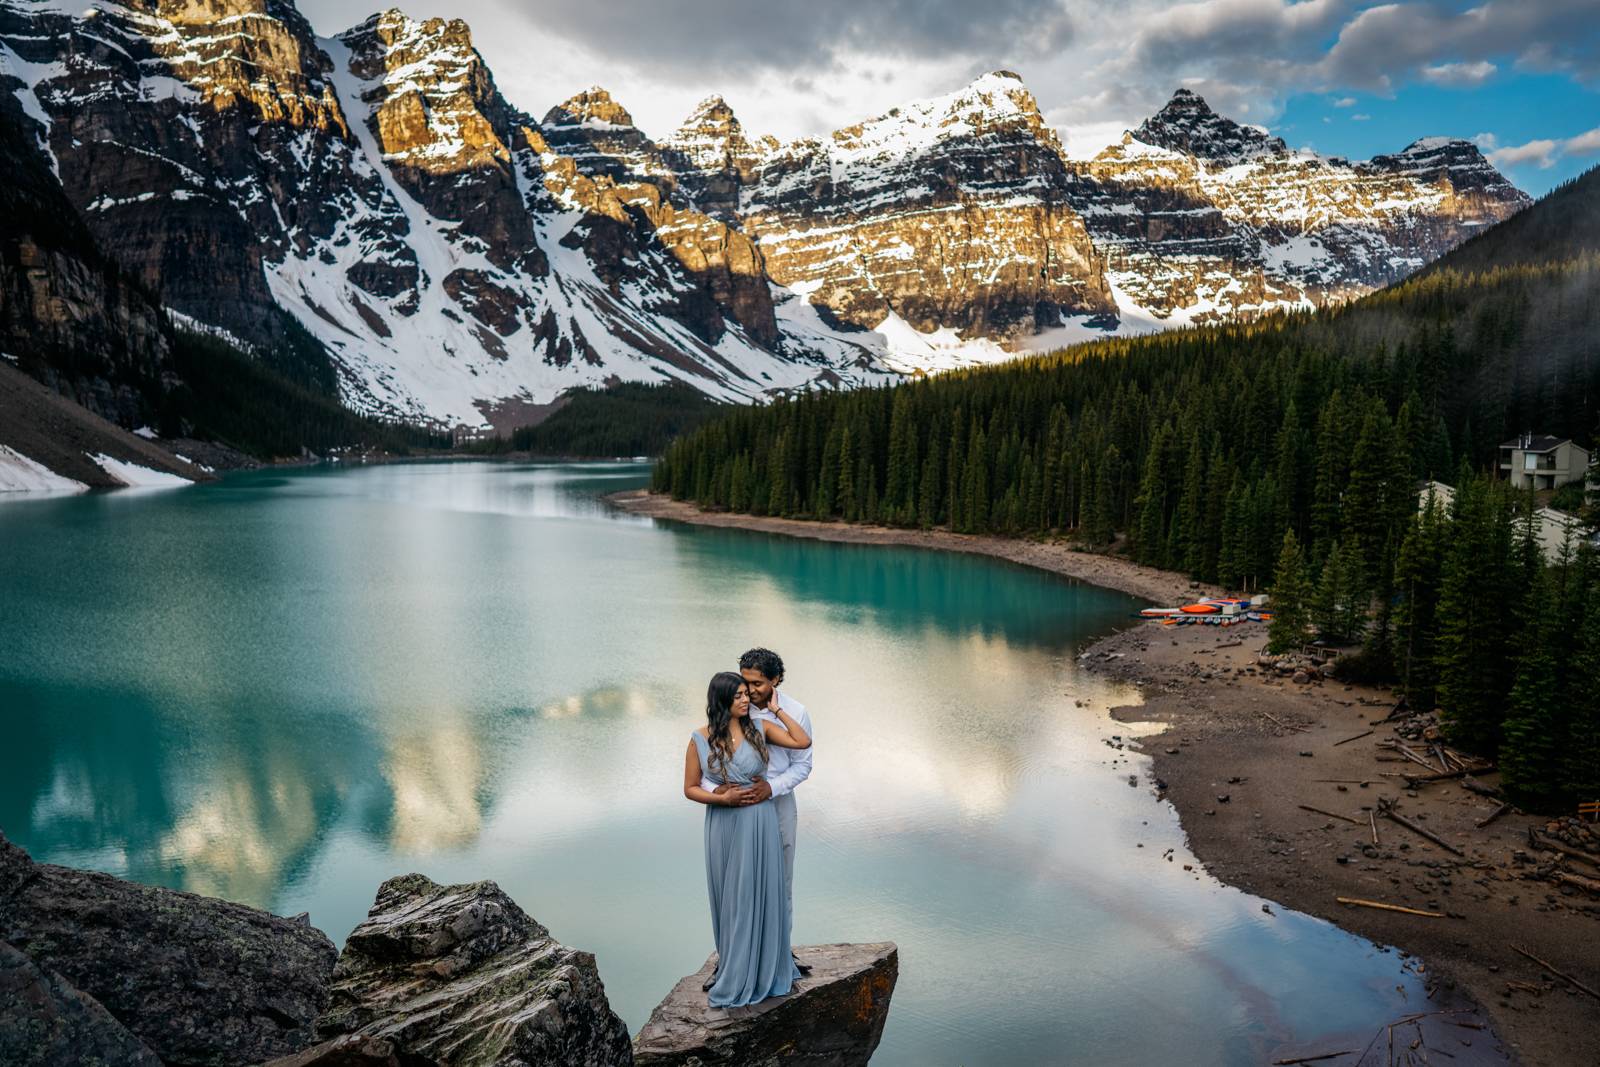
(786, 768)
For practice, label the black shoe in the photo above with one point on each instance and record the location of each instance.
(804, 969)
(709, 982)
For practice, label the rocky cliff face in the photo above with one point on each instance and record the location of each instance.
(1203, 219)
(69, 315)
(950, 212)
(378, 188)
(462, 261)
(957, 230)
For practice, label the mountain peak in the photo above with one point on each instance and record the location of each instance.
(1187, 124)
(1459, 162)
(594, 106)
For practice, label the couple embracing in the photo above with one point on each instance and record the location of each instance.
(744, 764)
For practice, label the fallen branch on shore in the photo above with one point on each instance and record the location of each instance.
(1396, 746)
(1567, 977)
(1578, 881)
(1472, 785)
(1386, 809)
(1544, 843)
(1329, 814)
(1389, 907)
(1495, 814)
(1357, 737)
(1372, 819)
(1444, 776)
(1314, 1059)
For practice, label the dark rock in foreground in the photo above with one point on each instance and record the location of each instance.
(45, 1022)
(355, 1050)
(834, 1017)
(200, 981)
(461, 975)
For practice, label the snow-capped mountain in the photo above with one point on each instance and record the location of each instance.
(463, 262)
(378, 188)
(1202, 218)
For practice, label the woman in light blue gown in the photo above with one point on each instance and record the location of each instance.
(744, 856)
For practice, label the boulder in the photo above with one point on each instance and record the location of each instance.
(833, 1018)
(44, 1022)
(462, 976)
(200, 981)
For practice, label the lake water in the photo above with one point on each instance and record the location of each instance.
(287, 686)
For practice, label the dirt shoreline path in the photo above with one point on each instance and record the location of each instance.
(1263, 742)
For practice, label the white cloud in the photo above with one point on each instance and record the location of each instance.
(1585, 144)
(1360, 118)
(1345, 101)
(1543, 152)
(1459, 75)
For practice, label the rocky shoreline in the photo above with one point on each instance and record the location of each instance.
(1247, 752)
(97, 970)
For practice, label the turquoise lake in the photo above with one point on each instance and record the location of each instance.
(285, 687)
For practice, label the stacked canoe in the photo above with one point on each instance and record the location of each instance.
(1211, 611)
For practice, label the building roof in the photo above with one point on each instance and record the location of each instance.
(1536, 443)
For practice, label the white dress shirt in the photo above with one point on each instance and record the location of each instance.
(787, 767)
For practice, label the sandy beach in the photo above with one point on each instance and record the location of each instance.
(1247, 751)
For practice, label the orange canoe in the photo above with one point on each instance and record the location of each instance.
(1199, 609)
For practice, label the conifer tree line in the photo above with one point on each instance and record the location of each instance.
(1206, 450)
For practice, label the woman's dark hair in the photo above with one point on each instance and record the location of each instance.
(725, 685)
(764, 660)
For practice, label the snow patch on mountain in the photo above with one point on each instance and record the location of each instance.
(20, 474)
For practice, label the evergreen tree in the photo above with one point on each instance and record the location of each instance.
(1475, 590)
(1340, 609)
(849, 507)
(1417, 583)
(899, 495)
(1290, 595)
(1580, 765)
(1532, 737)
(1150, 538)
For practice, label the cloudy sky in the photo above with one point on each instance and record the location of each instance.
(1347, 77)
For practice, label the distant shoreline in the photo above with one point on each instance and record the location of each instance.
(1057, 557)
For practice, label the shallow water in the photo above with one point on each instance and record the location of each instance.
(285, 687)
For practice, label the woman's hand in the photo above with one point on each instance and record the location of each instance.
(789, 735)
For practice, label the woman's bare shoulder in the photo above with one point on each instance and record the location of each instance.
(704, 731)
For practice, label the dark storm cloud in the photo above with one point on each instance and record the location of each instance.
(689, 36)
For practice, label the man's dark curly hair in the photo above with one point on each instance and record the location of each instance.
(764, 660)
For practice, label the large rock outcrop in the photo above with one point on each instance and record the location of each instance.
(834, 1017)
(460, 975)
(45, 1022)
(200, 981)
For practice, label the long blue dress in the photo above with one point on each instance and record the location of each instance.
(744, 875)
